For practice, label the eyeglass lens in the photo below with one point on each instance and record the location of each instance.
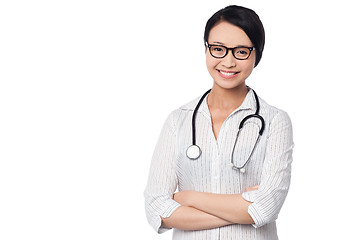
(221, 51)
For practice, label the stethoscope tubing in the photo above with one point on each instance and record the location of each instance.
(194, 151)
(194, 116)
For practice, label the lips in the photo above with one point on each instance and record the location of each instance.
(227, 74)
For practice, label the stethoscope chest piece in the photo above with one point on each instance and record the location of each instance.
(193, 152)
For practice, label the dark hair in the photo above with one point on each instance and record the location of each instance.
(244, 18)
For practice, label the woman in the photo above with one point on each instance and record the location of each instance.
(231, 185)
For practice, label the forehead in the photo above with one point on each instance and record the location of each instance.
(229, 35)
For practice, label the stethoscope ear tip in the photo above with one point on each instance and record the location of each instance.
(242, 170)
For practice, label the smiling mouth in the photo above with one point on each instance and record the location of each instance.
(227, 74)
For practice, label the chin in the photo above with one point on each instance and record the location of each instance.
(228, 85)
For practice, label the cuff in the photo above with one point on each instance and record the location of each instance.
(156, 221)
(252, 209)
(255, 215)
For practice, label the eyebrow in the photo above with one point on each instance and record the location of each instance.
(219, 43)
(236, 46)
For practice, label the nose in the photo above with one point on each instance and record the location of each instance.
(228, 60)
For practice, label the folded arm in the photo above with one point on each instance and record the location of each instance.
(189, 218)
(230, 207)
(206, 210)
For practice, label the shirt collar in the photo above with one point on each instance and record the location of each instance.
(248, 103)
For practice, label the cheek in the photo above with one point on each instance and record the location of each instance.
(211, 62)
(248, 66)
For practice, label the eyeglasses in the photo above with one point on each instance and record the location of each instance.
(219, 51)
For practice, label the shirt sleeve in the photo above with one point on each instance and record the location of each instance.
(162, 180)
(276, 173)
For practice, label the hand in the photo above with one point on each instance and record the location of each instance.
(182, 198)
(252, 188)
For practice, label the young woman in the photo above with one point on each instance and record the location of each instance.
(228, 152)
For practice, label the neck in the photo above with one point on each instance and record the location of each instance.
(227, 99)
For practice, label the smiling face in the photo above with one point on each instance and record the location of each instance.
(229, 72)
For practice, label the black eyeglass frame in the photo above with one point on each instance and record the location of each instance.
(232, 49)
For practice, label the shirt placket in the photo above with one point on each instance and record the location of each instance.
(215, 168)
(215, 164)
(217, 161)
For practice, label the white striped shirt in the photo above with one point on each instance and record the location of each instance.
(269, 166)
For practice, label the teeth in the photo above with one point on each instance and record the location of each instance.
(228, 73)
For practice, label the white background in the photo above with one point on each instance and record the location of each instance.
(85, 87)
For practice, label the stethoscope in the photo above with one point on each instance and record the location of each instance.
(194, 151)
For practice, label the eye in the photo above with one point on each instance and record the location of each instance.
(242, 52)
(217, 49)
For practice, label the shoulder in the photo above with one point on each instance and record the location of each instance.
(188, 107)
(277, 117)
